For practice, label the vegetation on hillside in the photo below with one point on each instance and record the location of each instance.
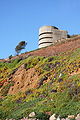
(20, 46)
(57, 91)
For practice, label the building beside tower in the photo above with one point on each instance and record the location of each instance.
(49, 35)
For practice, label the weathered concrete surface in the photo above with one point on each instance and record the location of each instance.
(49, 35)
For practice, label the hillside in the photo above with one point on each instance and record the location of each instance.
(68, 44)
(44, 81)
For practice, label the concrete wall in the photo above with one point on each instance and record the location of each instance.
(49, 35)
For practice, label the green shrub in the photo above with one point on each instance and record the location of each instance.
(42, 116)
(6, 88)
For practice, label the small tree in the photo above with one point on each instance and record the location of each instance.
(10, 56)
(20, 46)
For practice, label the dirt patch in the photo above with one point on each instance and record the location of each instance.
(24, 80)
(74, 73)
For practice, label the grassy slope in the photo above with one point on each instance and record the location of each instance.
(60, 94)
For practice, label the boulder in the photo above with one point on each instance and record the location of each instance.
(63, 119)
(58, 118)
(32, 119)
(32, 114)
(71, 116)
(52, 117)
(28, 119)
(67, 119)
(78, 117)
(24, 118)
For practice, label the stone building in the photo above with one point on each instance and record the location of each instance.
(49, 35)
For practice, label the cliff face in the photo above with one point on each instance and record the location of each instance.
(45, 80)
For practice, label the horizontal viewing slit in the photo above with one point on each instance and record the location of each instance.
(44, 42)
(45, 33)
(44, 38)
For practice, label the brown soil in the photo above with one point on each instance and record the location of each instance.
(24, 80)
(74, 73)
(69, 44)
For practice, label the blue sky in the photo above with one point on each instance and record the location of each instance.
(21, 19)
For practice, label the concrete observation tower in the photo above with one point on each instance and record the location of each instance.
(49, 35)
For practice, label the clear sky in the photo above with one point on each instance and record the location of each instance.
(21, 19)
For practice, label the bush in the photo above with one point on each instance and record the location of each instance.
(41, 80)
(6, 88)
(10, 56)
(42, 116)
